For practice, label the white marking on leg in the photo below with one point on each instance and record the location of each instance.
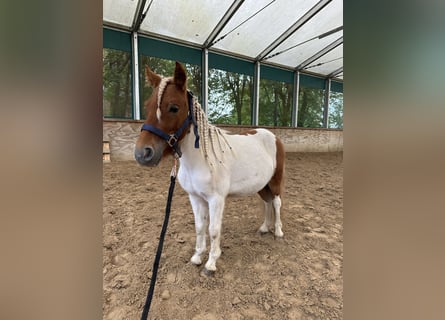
(276, 202)
(267, 224)
(216, 209)
(200, 211)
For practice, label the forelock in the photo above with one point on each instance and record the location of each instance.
(162, 85)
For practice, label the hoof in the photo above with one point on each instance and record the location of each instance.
(196, 260)
(279, 233)
(279, 238)
(262, 233)
(264, 229)
(208, 273)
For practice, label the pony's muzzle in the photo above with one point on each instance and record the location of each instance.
(148, 154)
(144, 155)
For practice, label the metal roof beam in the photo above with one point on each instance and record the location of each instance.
(116, 26)
(320, 53)
(305, 18)
(139, 15)
(222, 23)
(335, 72)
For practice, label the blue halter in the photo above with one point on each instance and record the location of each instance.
(173, 139)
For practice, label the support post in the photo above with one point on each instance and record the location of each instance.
(135, 78)
(205, 79)
(295, 95)
(256, 94)
(327, 93)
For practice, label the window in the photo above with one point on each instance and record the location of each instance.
(275, 107)
(335, 119)
(229, 97)
(117, 84)
(310, 107)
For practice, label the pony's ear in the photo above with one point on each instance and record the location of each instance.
(180, 77)
(152, 78)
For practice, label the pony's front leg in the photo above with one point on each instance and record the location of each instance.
(276, 202)
(201, 213)
(216, 209)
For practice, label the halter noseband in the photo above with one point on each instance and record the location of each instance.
(173, 139)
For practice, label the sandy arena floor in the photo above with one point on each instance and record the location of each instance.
(258, 277)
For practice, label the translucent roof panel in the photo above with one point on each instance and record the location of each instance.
(190, 21)
(282, 33)
(256, 24)
(120, 12)
(328, 63)
(301, 45)
(304, 51)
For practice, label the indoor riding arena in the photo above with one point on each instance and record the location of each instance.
(251, 64)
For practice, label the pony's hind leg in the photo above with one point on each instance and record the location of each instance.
(276, 203)
(268, 218)
(272, 212)
(201, 213)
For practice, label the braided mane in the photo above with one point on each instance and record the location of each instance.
(214, 143)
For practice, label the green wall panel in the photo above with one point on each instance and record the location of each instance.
(276, 74)
(222, 62)
(336, 86)
(166, 50)
(311, 81)
(117, 40)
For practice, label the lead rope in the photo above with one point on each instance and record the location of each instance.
(161, 241)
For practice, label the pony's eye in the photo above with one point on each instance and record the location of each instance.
(173, 108)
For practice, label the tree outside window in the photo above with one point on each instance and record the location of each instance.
(229, 97)
(117, 93)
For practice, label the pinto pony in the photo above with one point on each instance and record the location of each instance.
(213, 163)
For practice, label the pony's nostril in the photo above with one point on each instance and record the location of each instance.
(148, 153)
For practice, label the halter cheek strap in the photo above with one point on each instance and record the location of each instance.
(173, 139)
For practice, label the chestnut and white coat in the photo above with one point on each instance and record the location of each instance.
(225, 164)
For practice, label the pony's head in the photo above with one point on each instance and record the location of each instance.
(168, 117)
